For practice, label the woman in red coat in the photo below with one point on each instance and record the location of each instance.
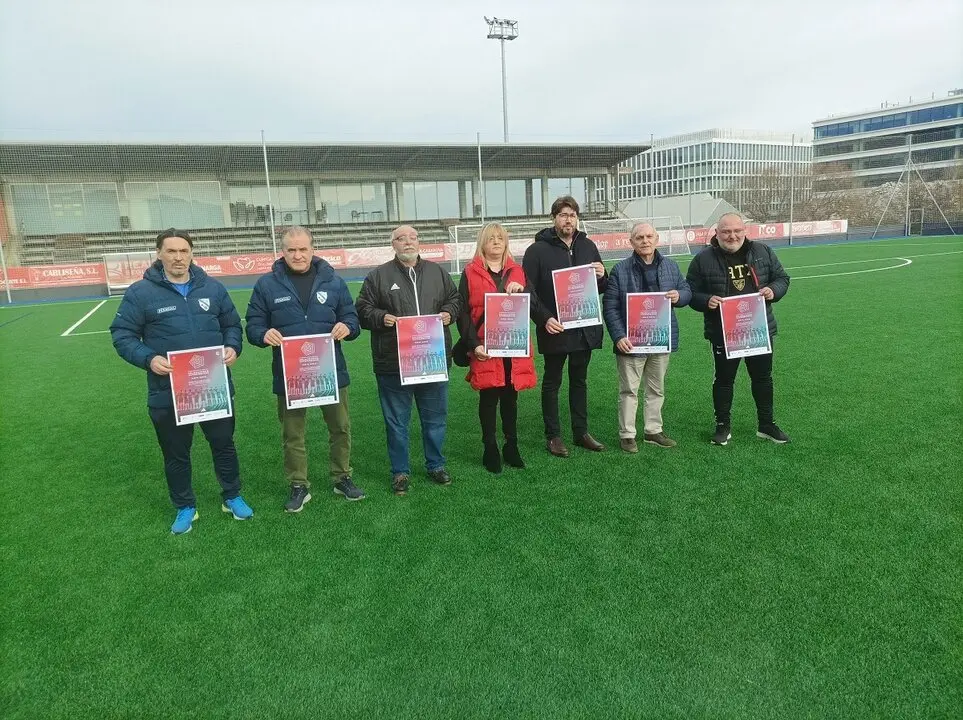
(498, 380)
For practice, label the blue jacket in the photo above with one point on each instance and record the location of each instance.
(626, 277)
(153, 319)
(275, 304)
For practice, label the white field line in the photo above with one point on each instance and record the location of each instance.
(905, 263)
(77, 324)
(91, 332)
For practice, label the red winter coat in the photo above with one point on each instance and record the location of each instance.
(484, 374)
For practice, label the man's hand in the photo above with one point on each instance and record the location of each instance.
(767, 293)
(272, 337)
(514, 287)
(230, 355)
(673, 296)
(445, 318)
(599, 269)
(480, 353)
(554, 327)
(160, 366)
(624, 345)
(340, 331)
(390, 320)
(714, 302)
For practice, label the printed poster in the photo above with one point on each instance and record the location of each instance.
(577, 297)
(310, 371)
(648, 322)
(421, 349)
(744, 327)
(199, 385)
(506, 324)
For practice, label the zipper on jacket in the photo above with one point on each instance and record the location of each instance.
(414, 284)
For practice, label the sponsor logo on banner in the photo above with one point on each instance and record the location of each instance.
(322, 296)
(197, 361)
(205, 303)
(308, 348)
(243, 263)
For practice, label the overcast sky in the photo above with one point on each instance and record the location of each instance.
(423, 70)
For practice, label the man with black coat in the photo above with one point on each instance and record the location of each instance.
(562, 246)
(406, 286)
(733, 265)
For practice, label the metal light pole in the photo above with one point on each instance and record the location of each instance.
(792, 183)
(502, 30)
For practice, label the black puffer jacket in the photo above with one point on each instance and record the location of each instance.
(708, 275)
(549, 253)
(390, 289)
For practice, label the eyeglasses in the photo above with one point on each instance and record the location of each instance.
(567, 215)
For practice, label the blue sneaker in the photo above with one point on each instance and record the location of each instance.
(239, 509)
(183, 522)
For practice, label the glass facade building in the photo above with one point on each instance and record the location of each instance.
(871, 148)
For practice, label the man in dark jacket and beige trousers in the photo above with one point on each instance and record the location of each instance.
(561, 246)
(405, 286)
(733, 265)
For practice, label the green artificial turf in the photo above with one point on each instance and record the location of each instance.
(817, 579)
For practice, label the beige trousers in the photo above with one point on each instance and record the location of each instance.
(633, 369)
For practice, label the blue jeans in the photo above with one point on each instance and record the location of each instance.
(432, 401)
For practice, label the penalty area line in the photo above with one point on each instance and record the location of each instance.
(906, 262)
(77, 324)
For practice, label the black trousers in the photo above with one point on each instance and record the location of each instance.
(489, 401)
(175, 443)
(578, 363)
(759, 368)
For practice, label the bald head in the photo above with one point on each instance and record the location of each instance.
(404, 241)
(731, 232)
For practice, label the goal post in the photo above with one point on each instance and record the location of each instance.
(612, 236)
(125, 268)
(521, 234)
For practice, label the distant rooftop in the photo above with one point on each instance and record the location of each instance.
(760, 136)
(933, 99)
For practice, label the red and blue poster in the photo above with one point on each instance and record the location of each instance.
(648, 322)
(577, 296)
(745, 330)
(310, 371)
(199, 385)
(507, 325)
(421, 349)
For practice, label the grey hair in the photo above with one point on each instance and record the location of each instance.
(293, 230)
(640, 224)
(731, 214)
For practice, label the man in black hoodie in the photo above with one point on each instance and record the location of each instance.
(733, 265)
(564, 246)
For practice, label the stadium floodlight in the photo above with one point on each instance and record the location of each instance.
(501, 29)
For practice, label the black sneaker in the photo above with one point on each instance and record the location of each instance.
(772, 432)
(722, 434)
(345, 487)
(299, 496)
(399, 484)
(440, 476)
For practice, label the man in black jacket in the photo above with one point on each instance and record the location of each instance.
(732, 265)
(403, 287)
(563, 246)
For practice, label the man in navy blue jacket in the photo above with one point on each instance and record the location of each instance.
(302, 295)
(178, 307)
(645, 270)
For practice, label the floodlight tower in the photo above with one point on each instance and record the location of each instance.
(501, 29)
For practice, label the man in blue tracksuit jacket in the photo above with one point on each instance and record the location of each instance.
(302, 295)
(645, 270)
(178, 307)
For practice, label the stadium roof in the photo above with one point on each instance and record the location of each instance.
(362, 158)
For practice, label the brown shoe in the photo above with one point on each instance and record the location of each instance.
(590, 443)
(557, 447)
(660, 439)
(628, 445)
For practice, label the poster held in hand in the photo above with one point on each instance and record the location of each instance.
(199, 385)
(577, 296)
(310, 371)
(745, 330)
(648, 322)
(507, 325)
(421, 349)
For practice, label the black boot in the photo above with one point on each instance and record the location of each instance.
(492, 460)
(511, 454)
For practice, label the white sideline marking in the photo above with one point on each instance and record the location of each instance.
(90, 332)
(77, 324)
(906, 261)
(869, 260)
